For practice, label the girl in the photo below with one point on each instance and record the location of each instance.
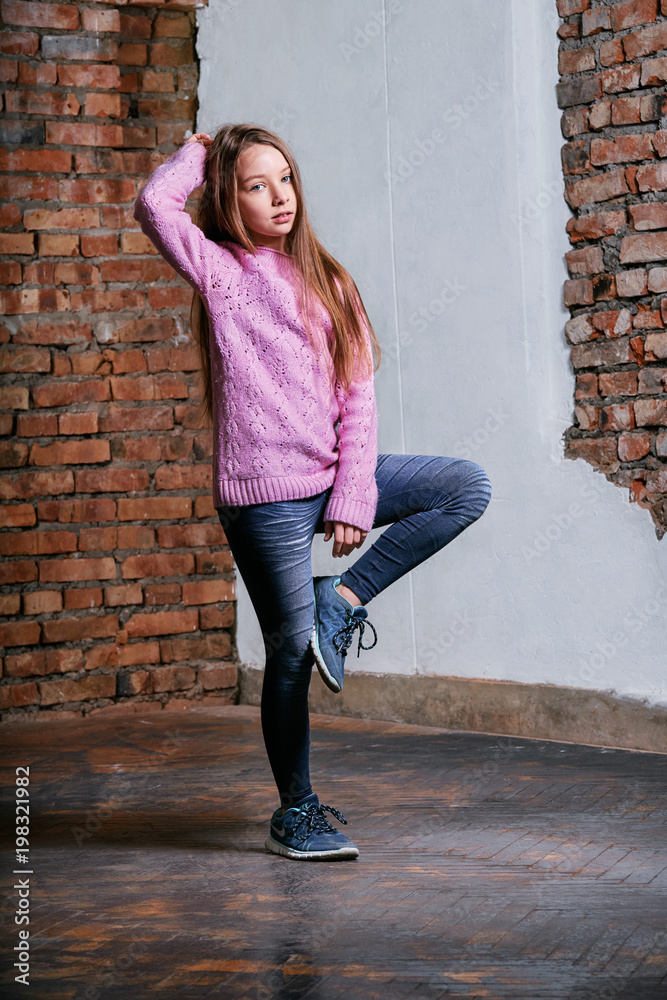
(287, 352)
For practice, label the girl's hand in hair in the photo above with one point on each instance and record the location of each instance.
(346, 537)
(202, 137)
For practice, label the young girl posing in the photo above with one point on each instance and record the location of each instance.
(287, 356)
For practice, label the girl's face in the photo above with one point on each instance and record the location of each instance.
(265, 195)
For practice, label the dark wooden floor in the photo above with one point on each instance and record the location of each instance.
(489, 867)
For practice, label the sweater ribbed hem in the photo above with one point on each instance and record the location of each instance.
(239, 492)
(355, 512)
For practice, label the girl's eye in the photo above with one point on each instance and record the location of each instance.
(259, 183)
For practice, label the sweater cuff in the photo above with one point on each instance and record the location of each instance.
(355, 512)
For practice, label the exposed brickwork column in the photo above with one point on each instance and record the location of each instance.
(612, 91)
(116, 584)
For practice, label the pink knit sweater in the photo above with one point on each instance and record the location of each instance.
(280, 431)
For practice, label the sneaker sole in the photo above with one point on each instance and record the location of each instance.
(287, 852)
(330, 681)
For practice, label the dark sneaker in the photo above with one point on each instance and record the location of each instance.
(304, 832)
(333, 630)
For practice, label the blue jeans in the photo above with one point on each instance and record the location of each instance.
(427, 501)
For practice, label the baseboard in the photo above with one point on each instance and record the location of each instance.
(535, 711)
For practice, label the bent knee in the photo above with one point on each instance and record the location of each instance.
(475, 488)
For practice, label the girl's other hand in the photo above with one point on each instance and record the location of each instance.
(202, 137)
(346, 537)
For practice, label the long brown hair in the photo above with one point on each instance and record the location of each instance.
(321, 276)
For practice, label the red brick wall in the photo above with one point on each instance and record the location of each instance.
(116, 584)
(612, 91)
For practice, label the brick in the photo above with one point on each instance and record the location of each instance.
(68, 393)
(17, 571)
(171, 53)
(572, 61)
(214, 617)
(13, 454)
(610, 184)
(633, 12)
(176, 678)
(598, 354)
(150, 329)
(162, 593)
(208, 592)
(17, 243)
(650, 216)
(99, 245)
(40, 15)
(29, 359)
(654, 72)
(167, 564)
(10, 215)
(617, 417)
(64, 218)
(598, 452)
(78, 47)
(82, 598)
(84, 689)
(647, 40)
(13, 397)
(153, 81)
(93, 190)
(132, 54)
(100, 20)
(656, 346)
(137, 536)
(103, 105)
(110, 300)
(42, 160)
(118, 418)
(10, 273)
(136, 243)
(613, 81)
(20, 515)
(9, 71)
(173, 359)
(136, 653)
(585, 261)
(633, 447)
(594, 21)
(40, 103)
(204, 506)
(59, 334)
(579, 90)
(89, 77)
(123, 595)
(78, 629)
(47, 661)
(16, 695)
(148, 388)
(97, 539)
(73, 569)
(111, 480)
(183, 477)
(657, 279)
(33, 484)
(33, 76)
(625, 149)
(72, 511)
(166, 108)
(37, 543)
(19, 43)
(24, 633)
(652, 177)
(78, 423)
(10, 604)
(171, 536)
(41, 602)
(631, 283)
(618, 384)
(217, 676)
(58, 244)
(650, 412)
(162, 623)
(70, 453)
(154, 508)
(643, 247)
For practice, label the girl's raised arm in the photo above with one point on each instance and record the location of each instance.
(159, 209)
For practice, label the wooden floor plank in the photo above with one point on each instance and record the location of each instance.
(488, 868)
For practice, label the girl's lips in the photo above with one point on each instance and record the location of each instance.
(285, 217)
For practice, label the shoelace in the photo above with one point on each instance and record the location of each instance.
(346, 634)
(316, 821)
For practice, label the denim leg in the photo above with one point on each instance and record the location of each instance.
(428, 500)
(271, 544)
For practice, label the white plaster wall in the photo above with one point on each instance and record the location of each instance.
(561, 581)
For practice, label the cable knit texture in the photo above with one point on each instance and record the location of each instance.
(283, 428)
